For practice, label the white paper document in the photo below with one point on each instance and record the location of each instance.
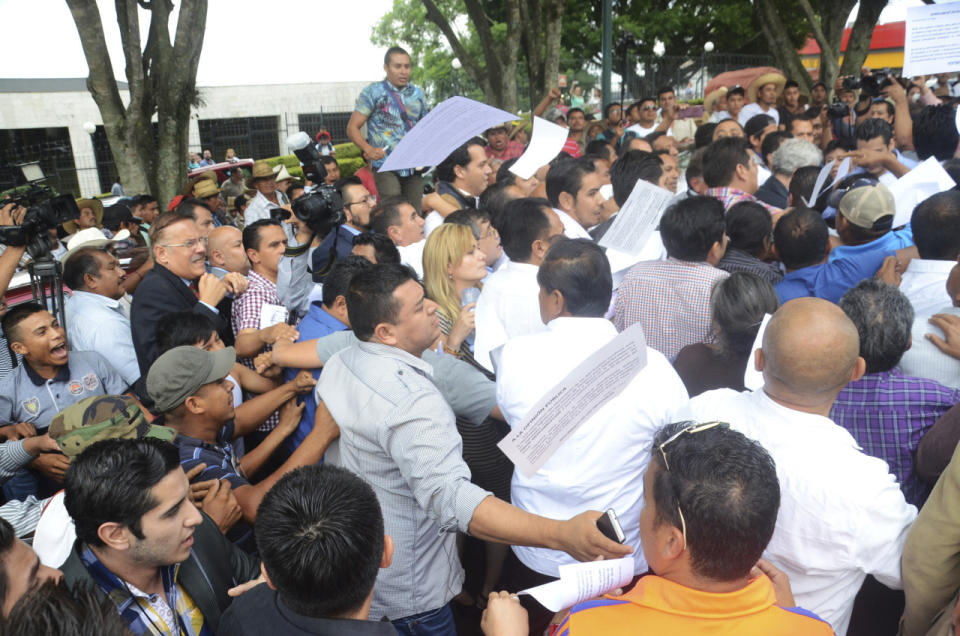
(932, 41)
(545, 144)
(559, 413)
(638, 218)
(818, 184)
(445, 128)
(272, 314)
(842, 171)
(921, 183)
(582, 581)
(753, 379)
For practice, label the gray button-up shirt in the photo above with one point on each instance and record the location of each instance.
(398, 433)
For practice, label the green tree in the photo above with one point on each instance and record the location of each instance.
(162, 78)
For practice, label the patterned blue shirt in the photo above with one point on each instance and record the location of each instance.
(385, 120)
(888, 413)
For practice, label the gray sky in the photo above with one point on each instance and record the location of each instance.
(246, 41)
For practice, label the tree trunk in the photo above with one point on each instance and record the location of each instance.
(778, 40)
(552, 30)
(161, 79)
(858, 46)
(531, 18)
(834, 20)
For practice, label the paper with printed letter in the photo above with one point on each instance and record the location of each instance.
(545, 144)
(565, 407)
(638, 218)
(582, 581)
(918, 185)
(932, 41)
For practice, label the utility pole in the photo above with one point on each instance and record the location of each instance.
(607, 47)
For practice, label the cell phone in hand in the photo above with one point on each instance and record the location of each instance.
(609, 525)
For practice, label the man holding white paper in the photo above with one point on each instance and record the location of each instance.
(599, 465)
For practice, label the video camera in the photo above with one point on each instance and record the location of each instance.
(45, 211)
(870, 85)
(321, 209)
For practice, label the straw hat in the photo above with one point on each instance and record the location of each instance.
(712, 98)
(282, 174)
(70, 227)
(776, 77)
(91, 237)
(261, 170)
(205, 188)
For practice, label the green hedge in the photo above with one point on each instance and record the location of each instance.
(349, 156)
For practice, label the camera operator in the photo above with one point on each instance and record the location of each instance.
(10, 214)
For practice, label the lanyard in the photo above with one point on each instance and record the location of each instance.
(399, 103)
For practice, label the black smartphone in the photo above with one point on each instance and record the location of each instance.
(609, 525)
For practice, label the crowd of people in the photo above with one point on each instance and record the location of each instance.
(254, 427)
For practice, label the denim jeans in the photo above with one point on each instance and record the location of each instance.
(438, 622)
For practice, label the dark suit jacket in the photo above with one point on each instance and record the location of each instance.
(214, 566)
(161, 293)
(774, 193)
(322, 253)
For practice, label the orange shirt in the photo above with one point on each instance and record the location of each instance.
(658, 606)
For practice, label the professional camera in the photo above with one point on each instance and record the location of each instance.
(874, 83)
(838, 110)
(45, 211)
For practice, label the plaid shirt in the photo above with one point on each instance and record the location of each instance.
(730, 196)
(671, 299)
(513, 150)
(147, 613)
(246, 315)
(739, 261)
(888, 413)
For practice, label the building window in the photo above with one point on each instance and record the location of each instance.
(250, 137)
(335, 123)
(50, 146)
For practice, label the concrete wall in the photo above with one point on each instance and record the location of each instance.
(73, 108)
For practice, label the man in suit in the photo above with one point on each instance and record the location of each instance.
(178, 281)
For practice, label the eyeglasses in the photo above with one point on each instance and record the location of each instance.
(491, 233)
(192, 243)
(369, 199)
(648, 108)
(689, 430)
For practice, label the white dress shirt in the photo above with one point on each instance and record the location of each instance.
(260, 206)
(925, 284)
(601, 464)
(412, 255)
(97, 323)
(842, 514)
(571, 226)
(924, 359)
(509, 306)
(753, 109)
(432, 222)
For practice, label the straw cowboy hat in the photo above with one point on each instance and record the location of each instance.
(282, 174)
(776, 77)
(205, 188)
(70, 227)
(91, 237)
(261, 170)
(712, 98)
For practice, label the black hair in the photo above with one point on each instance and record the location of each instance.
(183, 328)
(495, 198)
(935, 132)
(598, 148)
(721, 158)
(320, 535)
(737, 90)
(891, 110)
(884, 318)
(110, 481)
(634, 166)
(251, 233)
(790, 84)
(187, 205)
(292, 187)
(394, 50)
(952, 166)
(801, 238)
(337, 282)
(571, 111)
(7, 538)
(802, 182)
(737, 306)
(695, 167)
(326, 160)
(82, 262)
(726, 485)
(383, 247)
(652, 137)
(664, 90)
(748, 224)
(370, 298)
(872, 128)
(524, 221)
(704, 135)
(640, 102)
(504, 175)
(609, 107)
(691, 226)
(459, 157)
(935, 223)
(141, 199)
(386, 214)
(471, 218)
(16, 315)
(757, 124)
(53, 609)
(579, 269)
(567, 177)
(820, 84)
(341, 185)
(772, 141)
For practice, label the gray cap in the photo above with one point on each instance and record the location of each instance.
(180, 372)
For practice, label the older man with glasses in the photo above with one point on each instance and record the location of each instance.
(178, 282)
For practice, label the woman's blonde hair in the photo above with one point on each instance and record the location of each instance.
(445, 248)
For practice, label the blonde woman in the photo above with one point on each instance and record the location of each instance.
(452, 264)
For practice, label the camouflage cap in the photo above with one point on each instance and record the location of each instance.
(102, 417)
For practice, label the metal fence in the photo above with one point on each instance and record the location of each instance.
(643, 75)
(49, 146)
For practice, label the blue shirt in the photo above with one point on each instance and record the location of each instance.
(891, 241)
(386, 124)
(316, 324)
(829, 281)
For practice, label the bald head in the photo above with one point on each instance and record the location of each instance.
(810, 351)
(225, 250)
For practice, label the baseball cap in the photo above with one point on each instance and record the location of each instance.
(870, 207)
(101, 417)
(181, 371)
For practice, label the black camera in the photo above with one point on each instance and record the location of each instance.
(851, 83)
(838, 110)
(321, 210)
(45, 211)
(874, 83)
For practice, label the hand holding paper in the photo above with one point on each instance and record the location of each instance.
(582, 581)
